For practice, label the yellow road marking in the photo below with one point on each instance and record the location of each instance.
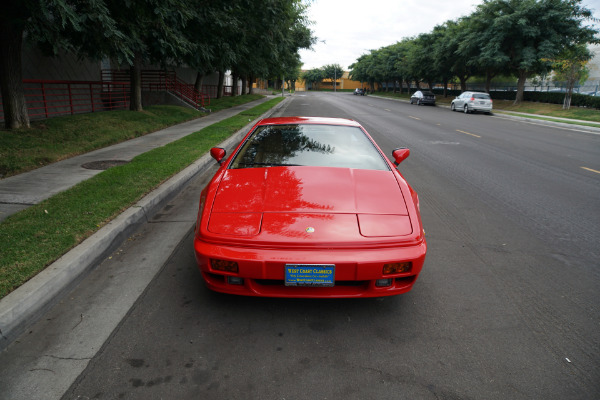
(467, 133)
(592, 170)
(387, 109)
(410, 116)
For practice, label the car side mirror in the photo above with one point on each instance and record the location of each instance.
(400, 155)
(218, 154)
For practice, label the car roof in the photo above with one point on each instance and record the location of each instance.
(308, 120)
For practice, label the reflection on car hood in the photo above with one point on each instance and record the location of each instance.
(309, 190)
(338, 206)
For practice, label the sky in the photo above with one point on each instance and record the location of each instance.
(347, 29)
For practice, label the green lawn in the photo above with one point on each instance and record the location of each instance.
(35, 237)
(59, 138)
(540, 109)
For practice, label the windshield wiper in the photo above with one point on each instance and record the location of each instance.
(272, 164)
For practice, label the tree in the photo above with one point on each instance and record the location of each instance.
(422, 59)
(525, 33)
(441, 57)
(313, 76)
(154, 33)
(270, 35)
(570, 66)
(333, 72)
(293, 72)
(54, 25)
(358, 70)
(460, 54)
(211, 32)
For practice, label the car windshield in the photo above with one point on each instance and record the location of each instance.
(309, 145)
(481, 96)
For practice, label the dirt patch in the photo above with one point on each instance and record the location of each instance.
(103, 164)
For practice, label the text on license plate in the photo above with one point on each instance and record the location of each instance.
(309, 274)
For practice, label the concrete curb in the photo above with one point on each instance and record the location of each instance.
(573, 126)
(24, 306)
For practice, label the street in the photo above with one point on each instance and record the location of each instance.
(506, 306)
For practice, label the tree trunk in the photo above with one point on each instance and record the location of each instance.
(520, 86)
(251, 86)
(445, 87)
(135, 100)
(235, 85)
(244, 84)
(198, 83)
(571, 78)
(488, 80)
(220, 84)
(11, 78)
(463, 83)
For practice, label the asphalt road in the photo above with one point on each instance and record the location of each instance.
(506, 305)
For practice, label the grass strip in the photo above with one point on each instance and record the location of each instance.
(59, 138)
(540, 109)
(549, 119)
(35, 237)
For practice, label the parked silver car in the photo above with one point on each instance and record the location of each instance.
(470, 102)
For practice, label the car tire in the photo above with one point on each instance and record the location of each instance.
(466, 109)
(452, 107)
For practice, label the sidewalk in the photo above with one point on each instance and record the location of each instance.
(23, 306)
(21, 191)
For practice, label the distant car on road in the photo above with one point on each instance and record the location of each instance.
(470, 102)
(309, 207)
(419, 97)
(359, 91)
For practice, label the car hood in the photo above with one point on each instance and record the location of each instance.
(316, 204)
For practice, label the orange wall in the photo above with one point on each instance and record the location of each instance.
(342, 83)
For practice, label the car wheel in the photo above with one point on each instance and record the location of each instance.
(466, 109)
(452, 107)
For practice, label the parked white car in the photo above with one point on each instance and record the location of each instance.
(470, 102)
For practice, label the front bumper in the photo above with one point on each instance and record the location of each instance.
(263, 270)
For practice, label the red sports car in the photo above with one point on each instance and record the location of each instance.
(309, 207)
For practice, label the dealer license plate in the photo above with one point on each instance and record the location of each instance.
(309, 275)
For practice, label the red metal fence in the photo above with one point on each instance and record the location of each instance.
(47, 98)
(161, 80)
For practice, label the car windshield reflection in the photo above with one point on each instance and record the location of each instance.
(309, 145)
